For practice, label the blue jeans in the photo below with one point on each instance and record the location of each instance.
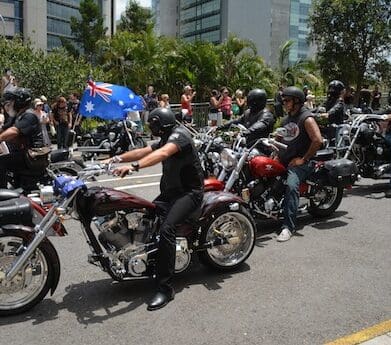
(296, 175)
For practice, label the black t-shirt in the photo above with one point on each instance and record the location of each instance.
(297, 138)
(182, 172)
(30, 129)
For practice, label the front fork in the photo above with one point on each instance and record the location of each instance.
(40, 231)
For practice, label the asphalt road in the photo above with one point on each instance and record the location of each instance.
(330, 280)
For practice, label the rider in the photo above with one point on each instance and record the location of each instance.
(258, 120)
(181, 189)
(303, 139)
(23, 133)
(335, 107)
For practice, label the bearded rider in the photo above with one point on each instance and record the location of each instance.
(303, 139)
(181, 189)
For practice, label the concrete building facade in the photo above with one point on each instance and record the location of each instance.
(268, 23)
(45, 21)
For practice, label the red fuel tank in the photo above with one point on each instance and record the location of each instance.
(262, 166)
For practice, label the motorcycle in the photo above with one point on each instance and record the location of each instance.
(60, 162)
(362, 142)
(260, 179)
(112, 139)
(221, 232)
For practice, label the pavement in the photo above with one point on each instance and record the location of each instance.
(379, 334)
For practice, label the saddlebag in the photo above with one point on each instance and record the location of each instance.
(15, 211)
(341, 172)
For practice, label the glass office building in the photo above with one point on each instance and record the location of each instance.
(268, 23)
(200, 20)
(44, 22)
(298, 29)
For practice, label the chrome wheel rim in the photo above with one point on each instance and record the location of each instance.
(239, 229)
(28, 282)
(324, 198)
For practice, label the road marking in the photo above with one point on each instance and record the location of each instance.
(138, 186)
(129, 178)
(363, 335)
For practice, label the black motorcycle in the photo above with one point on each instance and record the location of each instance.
(60, 162)
(363, 142)
(112, 138)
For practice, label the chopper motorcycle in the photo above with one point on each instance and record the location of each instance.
(260, 180)
(122, 231)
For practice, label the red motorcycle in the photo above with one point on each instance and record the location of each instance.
(260, 180)
(222, 232)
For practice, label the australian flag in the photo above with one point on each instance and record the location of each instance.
(109, 101)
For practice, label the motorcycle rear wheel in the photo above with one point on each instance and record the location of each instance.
(31, 284)
(237, 225)
(326, 200)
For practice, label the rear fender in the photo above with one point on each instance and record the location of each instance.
(27, 233)
(216, 200)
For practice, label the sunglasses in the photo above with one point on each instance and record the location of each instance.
(286, 100)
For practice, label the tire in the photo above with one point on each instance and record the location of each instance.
(87, 155)
(325, 201)
(20, 295)
(228, 257)
(139, 143)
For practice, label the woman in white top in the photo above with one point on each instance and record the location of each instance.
(43, 118)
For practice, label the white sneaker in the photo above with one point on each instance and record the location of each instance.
(284, 235)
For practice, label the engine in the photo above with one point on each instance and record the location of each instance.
(266, 194)
(129, 241)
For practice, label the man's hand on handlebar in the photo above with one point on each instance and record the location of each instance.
(123, 171)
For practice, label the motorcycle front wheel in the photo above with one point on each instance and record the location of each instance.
(139, 143)
(239, 229)
(325, 201)
(32, 283)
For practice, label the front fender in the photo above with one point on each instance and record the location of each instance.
(27, 233)
(215, 200)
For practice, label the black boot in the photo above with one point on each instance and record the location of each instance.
(161, 298)
(388, 194)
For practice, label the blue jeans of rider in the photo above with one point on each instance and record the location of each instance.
(296, 175)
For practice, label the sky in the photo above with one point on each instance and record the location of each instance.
(121, 5)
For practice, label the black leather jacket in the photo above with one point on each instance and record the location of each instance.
(259, 125)
(336, 112)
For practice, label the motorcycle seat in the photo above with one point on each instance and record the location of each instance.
(324, 155)
(6, 194)
(16, 211)
(59, 155)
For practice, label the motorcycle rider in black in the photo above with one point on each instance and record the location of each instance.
(258, 120)
(335, 108)
(181, 188)
(24, 132)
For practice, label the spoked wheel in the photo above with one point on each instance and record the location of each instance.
(325, 201)
(238, 229)
(32, 282)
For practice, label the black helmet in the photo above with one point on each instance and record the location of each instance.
(335, 88)
(256, 99)
(294, 92)
(161, 120)
(21, 97)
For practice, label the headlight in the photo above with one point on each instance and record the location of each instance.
(214, 156)
(111, 136)
(197, 143)
(253, 153)
(228, 159)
